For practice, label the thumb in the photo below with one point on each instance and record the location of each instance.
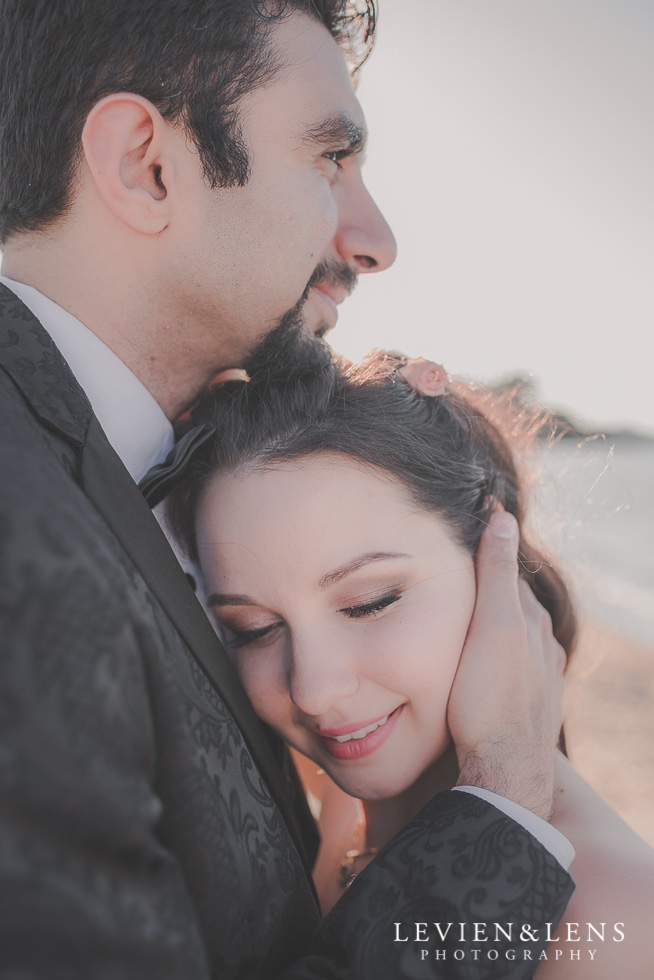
(230, 374)
(497, 567)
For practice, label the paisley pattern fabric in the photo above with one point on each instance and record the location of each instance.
(455, 863)
(142, 832)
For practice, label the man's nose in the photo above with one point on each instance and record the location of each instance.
(320, 675)
(364, 238)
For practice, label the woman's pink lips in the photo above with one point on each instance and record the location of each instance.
(358, 747)
(348, 729)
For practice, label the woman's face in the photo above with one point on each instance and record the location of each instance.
(346, 607)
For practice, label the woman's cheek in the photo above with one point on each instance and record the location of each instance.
(260, 678)
(431, 630)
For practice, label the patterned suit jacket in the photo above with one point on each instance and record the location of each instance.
(145, 826)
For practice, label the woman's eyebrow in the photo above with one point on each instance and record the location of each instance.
(227, 599)
(340, 129)
(224, 599)
(358, 562)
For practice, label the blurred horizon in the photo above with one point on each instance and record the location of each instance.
(511, 150)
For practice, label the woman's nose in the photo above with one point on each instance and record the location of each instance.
(320, 675)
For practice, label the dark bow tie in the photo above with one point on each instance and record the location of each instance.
(158, 481)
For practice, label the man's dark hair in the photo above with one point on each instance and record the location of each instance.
(193, 59)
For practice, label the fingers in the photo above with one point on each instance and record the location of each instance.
(497, 572)
(548, 658)
(504, 710)
(539, 622)
(497, 556)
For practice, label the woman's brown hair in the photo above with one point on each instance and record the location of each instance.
(451, 457)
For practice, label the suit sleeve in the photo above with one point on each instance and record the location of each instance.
(412, 912)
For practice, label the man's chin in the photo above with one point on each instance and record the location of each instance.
(290, 346)
(316, 325)
(319, 330)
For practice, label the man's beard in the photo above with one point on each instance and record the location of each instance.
(289, 348)
(286, 351)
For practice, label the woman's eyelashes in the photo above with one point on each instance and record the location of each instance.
(373, 606)
(246, 637)
(241, 638)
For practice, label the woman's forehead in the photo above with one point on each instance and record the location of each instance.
(304, 519)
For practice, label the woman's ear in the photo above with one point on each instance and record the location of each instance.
(126, 147)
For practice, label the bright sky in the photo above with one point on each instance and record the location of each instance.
(512, 150)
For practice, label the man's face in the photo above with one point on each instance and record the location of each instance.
(247, 256)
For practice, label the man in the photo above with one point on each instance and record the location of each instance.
(178, 179)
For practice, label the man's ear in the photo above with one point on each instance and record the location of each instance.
(126, 149)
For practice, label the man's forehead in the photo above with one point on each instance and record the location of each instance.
(313, 72)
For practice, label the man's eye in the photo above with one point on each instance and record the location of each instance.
(336, 156)
(370, 608)
(241, 638)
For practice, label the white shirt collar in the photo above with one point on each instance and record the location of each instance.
(133, 422)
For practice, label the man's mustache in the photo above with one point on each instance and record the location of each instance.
(333, 274)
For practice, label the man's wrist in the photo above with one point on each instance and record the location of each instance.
(508, 778)
(552, 839)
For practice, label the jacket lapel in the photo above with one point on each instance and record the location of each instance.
(108, 484)
(30, 357)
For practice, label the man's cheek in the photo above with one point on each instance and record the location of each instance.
(329, 219)
(314, 218)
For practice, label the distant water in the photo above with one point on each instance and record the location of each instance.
(593, 504)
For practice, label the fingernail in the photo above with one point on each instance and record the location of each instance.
(503, 524)
(230, 374)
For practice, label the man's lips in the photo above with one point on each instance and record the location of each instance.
(328, 297)
(354, 741)
(336, 295)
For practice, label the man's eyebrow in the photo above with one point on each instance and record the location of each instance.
(351, 566)
(224, 599)
(338, 129)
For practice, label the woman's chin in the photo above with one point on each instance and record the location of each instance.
(416, 785)
(371, 789)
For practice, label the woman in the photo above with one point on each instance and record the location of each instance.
(347, 629)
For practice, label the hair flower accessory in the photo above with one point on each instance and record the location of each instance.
(425, 377)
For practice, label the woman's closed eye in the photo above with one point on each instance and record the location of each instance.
(372, 607)
(241, 638)
(261, 635)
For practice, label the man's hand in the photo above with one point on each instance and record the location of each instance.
(504, 711)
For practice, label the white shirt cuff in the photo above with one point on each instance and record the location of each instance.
(547, 835)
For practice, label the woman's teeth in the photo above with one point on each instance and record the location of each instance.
(362, 732)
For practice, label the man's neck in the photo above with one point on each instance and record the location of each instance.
(124, 318)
